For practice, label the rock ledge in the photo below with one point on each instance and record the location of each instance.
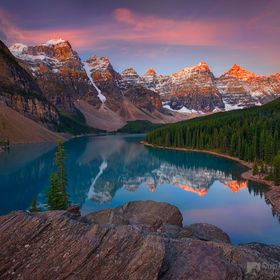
(139, 240)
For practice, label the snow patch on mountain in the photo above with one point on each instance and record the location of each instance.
(183, 110)
(229, 107)
(17, 48)
(54, 42)
(87, 68)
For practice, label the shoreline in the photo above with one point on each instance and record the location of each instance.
(272, 196)
(245, 175)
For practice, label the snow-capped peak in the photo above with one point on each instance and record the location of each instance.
(55, 42)
(238, 72)
(101, 63)
(129, 71)
(202, 65)
(150, 72)
(17, 48)
(198, 66)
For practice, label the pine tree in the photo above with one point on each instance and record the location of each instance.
(262, 168)
(276, 170)
(255, 168)
(232, 145)
(53, 193)
(62, 181)
(268, 150)
(34, 206)
(57, 198)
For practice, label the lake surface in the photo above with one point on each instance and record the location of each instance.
(107, 171)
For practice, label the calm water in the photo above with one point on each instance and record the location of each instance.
(108, 171)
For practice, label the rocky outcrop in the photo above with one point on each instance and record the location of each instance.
(36, 109)
(20, 92)
(59, 72)
(15, 128)
(140, 240)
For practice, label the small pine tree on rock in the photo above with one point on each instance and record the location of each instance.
(57, 197)
(53, 193)
(34, 206)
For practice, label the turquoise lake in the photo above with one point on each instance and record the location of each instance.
(107, 171)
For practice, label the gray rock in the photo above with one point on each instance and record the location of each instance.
(195, 259)
(270, 251)
(204, 232)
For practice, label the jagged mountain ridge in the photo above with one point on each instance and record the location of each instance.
(196, 89)
(59, 72)
(90, 86)
(109, 99)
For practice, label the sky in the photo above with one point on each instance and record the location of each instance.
(165, 35)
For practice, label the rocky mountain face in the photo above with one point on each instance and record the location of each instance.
(109, 99)
(192, 88)
(117, 87)
(92, 86)
(195, 89)
(122, 101)
(59, 72)
(106, 80)
(139, 240)
(19, 91)
(241, 88)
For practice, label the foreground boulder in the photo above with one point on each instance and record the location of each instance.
(139, 240)
(148, 214)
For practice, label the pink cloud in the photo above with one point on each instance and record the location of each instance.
(127, 26)
(169, 31)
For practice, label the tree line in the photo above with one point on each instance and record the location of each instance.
(250, 134)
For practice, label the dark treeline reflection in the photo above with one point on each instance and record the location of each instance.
(198, 160)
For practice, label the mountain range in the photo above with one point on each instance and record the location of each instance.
(52, 86)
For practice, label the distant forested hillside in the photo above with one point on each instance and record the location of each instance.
(247, 134)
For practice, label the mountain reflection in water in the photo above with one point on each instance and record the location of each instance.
(107, 171)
